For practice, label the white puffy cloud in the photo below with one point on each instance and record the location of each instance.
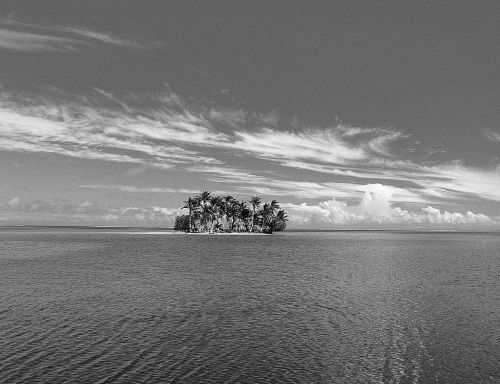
(435, 216)
(376, 207)
(16, 211)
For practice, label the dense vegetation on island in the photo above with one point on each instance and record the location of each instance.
(213, 214)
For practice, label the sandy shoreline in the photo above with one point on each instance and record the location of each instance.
(227, 233)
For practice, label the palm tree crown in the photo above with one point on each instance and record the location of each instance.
(212, 213)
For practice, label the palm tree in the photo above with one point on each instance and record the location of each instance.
(189, 204)
(233, 213)
(240, 208)
(197, 217)
(204, 197)
(205, 210)
(228, 209)
(247, 219)
(207, 216)
(274, 206)
(255, 201)
(266, 213)
(279, 222)
(282, 215)
(217, 206)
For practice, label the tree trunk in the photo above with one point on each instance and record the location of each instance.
(253, 218)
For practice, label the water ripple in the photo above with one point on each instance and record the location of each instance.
(345, 307)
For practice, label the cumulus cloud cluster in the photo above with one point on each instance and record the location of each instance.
(63, 211)
(376, 208)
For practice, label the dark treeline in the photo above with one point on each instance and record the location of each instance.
(211, 213)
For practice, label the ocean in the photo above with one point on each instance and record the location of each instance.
(147, 306)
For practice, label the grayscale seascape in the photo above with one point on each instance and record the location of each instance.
(250, 191)
(133, 306)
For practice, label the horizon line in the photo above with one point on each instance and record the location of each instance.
(76, 226)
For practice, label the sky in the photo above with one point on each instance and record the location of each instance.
(352, 114)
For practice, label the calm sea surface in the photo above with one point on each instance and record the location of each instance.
(104, 306)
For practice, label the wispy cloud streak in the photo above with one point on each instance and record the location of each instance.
(26, 41)
(21, 36)
(83, 129)
(134, 189)
(492, 136)
(346, 163)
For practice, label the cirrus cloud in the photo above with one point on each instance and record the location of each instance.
(349, 164)
(17, 35)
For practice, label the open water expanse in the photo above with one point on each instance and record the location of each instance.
(109, 306)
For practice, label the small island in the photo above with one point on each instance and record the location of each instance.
(209, 213)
